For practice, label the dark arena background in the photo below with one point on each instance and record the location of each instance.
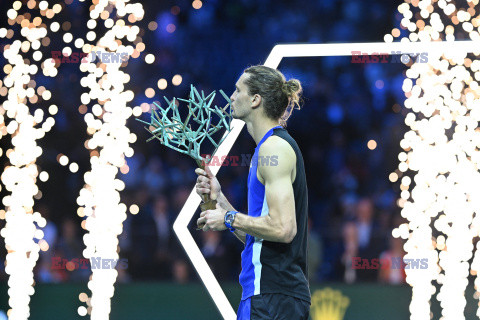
(93, 216)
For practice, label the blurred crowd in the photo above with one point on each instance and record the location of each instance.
(352, 204)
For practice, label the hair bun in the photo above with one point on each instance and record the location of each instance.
(292, 88)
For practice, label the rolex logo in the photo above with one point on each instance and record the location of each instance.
(328, 304)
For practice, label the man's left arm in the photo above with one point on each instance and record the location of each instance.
(279, 224)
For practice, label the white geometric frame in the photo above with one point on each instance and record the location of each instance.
(275, 57)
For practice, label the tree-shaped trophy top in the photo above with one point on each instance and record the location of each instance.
(186, 136)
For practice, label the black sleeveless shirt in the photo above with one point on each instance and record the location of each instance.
(274, 267)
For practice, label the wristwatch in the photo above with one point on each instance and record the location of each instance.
(229, 218)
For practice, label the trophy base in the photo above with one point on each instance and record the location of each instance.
(209, 205)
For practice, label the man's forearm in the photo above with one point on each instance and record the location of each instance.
(260, 227)
(242, 236)
(225, 204)
(244, 224)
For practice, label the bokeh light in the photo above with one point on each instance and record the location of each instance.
(108, 142)
(25, 126)
(197, 4)
(162, 84)
(177, 80)
(440, 200)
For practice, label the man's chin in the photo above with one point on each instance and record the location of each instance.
(235, 115)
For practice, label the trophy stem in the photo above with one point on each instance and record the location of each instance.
(207, 203)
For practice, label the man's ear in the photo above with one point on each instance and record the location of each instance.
(256, 101)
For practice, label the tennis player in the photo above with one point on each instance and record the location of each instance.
(274, 260)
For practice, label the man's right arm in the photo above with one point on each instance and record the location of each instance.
(225, 204)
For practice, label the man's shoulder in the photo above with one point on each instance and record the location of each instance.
(274, 145)
(280, 152)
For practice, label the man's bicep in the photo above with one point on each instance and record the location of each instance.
(281, 207)
(278, 188)
(278, 183)
(279, 194)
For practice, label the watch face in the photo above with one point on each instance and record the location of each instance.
(229, 218)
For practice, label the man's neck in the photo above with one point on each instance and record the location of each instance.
(259, 127)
